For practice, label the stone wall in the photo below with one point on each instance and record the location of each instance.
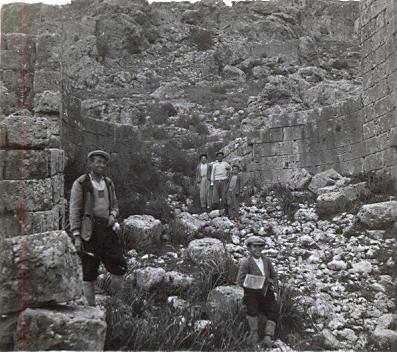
(319, 139)
(355, 136)
(379, 71)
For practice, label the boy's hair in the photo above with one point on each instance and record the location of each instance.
(236, 166)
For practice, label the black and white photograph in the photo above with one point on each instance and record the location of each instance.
(202, 175)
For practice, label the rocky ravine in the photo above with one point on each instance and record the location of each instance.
(343, 266)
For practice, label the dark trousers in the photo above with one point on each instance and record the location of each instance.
(106, 247)
(219, 193)
(257, 303)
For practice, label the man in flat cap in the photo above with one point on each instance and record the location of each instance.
(259, 279)
(92, 214)
(219, 180)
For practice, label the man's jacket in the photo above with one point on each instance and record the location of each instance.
(248, 266)
(198, 172)
(236, 189)
(82, 205)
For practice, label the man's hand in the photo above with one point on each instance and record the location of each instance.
(111, 220)
(78, 243)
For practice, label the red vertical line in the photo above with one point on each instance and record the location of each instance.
(21, 332)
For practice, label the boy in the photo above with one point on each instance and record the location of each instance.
(233, 191)
(259, 299)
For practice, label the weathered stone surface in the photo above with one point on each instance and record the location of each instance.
(384, 333)
(47, 102)
(36, 195)
(63, 328)
(224, 301)
(363, 267)
(323, 179)
(378, 215)
(188, 224)
(8, 325)
(33, 222)
(331, 202)
(50, 266)
(177, 279)
(148, 277)
(178, 303)
(205, 249)
(142, 230)
(234, 73)
(27, 165)
(26, 131)
(299, 179)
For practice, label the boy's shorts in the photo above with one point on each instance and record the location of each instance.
(106, 247)
(257, 303)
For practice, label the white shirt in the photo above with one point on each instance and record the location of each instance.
(259, 263)
(203, 170)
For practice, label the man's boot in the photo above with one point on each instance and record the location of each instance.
(253, 325)
(269, 333)
(89, 292)
(115, 283)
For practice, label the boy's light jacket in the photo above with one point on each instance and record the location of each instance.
(248, 266)
(82, 205)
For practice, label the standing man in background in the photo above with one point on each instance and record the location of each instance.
(93, 210)
(219, 180)
(203, 178)
(233, 193)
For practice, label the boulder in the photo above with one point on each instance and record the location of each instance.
(329, 340)
(187, 224)
(337, 265)
(384, 333)
(323, 179)
(63, 328)
(177, 279)
(378, 216)
(142, 230)
(355, 191)
(363, 267)
(178, 303)
(299, 179)
(233, 73)
(148, 277)
(306, 214)
(206, 249)
(50, 267)
(221, 223)
(331, 202)
(224, 301)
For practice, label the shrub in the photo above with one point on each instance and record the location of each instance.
(176, 160)
(213, 273)
(293, 318)
(136, 322)
(287, 200)
(161, 112)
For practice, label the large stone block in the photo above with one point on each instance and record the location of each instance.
(63, 328)
(14, 60)
(8, 326)
(187, 224)
(206, 250)
(57, 184)
(378, 215)
(142, 230)
(47, 51)
(57, 161)
(32, 222)
(46, 80)
(27, 164)
(25, 131)
(38, 269)
(31, 195)
(47, 102)
(331, 202)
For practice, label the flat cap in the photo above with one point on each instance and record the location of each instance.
(220, 153)
(100, 153)
(254, 240)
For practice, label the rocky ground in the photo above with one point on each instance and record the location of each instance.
(340, 264)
